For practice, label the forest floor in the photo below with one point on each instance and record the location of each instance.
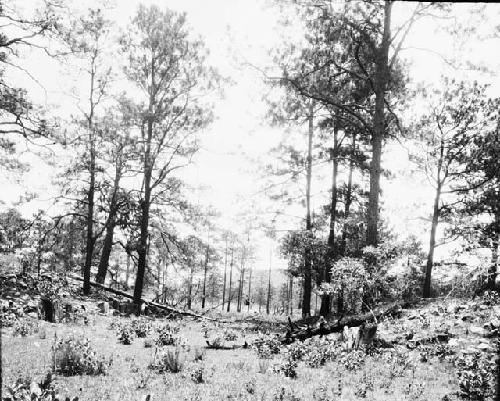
(414, 369)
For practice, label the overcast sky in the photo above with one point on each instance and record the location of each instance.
(239, 33)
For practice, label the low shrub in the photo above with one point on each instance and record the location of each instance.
(24, 328)
(168, 336)
(475, 374)
(196, 373)
(284, 394)
(287, 367)
(266, 346)
(141, 327)
(125, 333)
(168, 360)
(25, 389)
(74, 356)
(353, 360)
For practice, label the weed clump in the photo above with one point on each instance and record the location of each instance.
(24, 328)
(125, 333)
(168, 360)
(74, 356)
(474, 376)
(266, 346)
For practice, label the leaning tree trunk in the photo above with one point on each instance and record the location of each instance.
(107, 245)
(325, 308)
(306, 301)
(378, 133)
(426, 293)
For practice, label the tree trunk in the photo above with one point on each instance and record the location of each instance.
(110, 227)
(240, 284)
(190, 288)
(378, 133)
(144, 221)
(230, 281)
(205, 281)
(89, 246)
(249, 288)
(291, 296)
(435, 220)
(325, 308)
(348, 198)
(493, 271)
(224, 285)
(268, 302)
(306, 302)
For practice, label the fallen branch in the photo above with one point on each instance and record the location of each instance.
(151, 303)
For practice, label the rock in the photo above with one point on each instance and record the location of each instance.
(485, 347)
(453, 342)
(17, 294)
(483, 307)
(479, 331)
(35, 389)
(412, 317)
(496, 310)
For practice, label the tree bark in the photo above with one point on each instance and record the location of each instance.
(224, 285)
(325, 307)
(493, 270)
(110, 228)
(426, 293)
(380, 84)
(306, 302)
(89, 246)
(249, 288)
(205, 280)
(230, 280)
(268, 301)
(348, 198)
(145, 206)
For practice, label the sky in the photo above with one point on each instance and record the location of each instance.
(239, 34)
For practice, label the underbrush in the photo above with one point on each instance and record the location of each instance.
(75, 356)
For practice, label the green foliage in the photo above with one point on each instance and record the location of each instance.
(287, 367)
(284, 394)
(75, 356)
(353, 360)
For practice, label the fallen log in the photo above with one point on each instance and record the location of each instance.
(151, 303)
(323, 327)
(224, 346)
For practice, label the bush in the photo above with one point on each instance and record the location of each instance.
(474, 376)
(266, 346)
(148, 343)
(287, 367)
(24, 328)
(141, 327)
(353, 360)
(74, 356)
(24, 389)
(168, 361)
(168, 336)
(125, 333)
(196, 373)
(283, 394)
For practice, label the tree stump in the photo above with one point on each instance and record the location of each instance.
(50, 310)
(103, 307)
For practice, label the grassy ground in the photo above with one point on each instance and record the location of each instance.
(228, 374)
